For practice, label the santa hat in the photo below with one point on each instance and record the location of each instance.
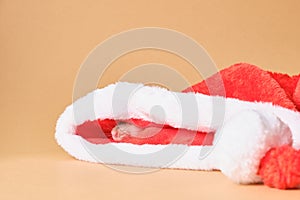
(247, 126)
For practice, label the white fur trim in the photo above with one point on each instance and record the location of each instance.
(245, 131)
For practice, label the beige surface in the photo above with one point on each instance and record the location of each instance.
(43, 43)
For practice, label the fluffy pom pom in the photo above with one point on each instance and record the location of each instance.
(280, 168)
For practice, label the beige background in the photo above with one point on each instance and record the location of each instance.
(42, 45)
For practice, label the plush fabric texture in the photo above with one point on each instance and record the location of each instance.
(280, 167)
(296, 94)
(241, 81)
(262, 113)
(249, 83)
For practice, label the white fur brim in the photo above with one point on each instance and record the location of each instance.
(245, 131)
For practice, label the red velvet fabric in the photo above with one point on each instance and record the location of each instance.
(98, 132)
(250, 83)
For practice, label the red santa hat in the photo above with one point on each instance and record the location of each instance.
(247, 126)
